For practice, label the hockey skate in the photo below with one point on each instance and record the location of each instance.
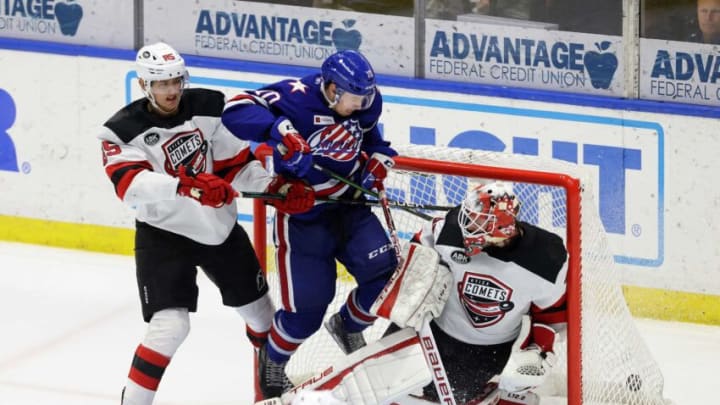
(348, 341)
(273, 380)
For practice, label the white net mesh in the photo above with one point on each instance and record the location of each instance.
(616, 366)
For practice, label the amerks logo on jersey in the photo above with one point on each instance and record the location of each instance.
(340, 142)
(186, 149)
(485, 299)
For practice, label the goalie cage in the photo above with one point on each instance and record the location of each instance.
(603, 359)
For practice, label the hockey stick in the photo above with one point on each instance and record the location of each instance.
(371, 203)
(427, 340)
(385, 204)
(409, 207)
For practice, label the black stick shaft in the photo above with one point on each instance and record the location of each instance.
(402, 206)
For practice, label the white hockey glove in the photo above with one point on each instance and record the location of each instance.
(531, 359)
(417, 290)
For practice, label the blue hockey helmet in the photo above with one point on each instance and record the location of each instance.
(352, 74)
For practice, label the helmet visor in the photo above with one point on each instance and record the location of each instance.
(168, 87)
(355, 101)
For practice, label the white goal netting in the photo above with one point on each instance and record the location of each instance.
(613, 365)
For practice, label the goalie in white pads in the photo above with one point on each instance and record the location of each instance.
(506, 298)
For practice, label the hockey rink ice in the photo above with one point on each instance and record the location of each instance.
(70, 322)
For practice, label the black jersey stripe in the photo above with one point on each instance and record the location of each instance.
(135, 118)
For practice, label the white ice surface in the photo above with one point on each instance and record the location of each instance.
(70, 322)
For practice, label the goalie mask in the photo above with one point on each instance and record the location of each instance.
(487, 216)
(159, 62)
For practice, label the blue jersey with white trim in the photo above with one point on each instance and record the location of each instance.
(337, 142)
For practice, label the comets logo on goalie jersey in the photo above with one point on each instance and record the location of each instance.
(485, 299)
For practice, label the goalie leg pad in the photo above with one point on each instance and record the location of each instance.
(514, 398)
(376, 374)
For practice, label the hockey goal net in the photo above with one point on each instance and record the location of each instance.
(603, 359)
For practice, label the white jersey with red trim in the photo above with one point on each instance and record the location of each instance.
(142, 152)
(494, 289)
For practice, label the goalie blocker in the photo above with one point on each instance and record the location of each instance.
(418, 289)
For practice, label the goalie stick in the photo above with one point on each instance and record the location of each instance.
(427, 340)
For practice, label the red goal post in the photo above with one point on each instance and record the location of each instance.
(555, 195)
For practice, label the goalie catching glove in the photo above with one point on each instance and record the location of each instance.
(418, 289)
(531, 358)
(298, 197)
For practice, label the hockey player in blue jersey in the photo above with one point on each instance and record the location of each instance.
(329, 120)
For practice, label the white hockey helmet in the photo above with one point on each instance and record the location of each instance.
(487, 215)
(159, 61)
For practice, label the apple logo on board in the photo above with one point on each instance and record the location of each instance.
(68, 15)
(347, 38)
(601, 66)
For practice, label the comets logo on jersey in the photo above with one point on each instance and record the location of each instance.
(340, 142)
(186, 149)
(485, 299)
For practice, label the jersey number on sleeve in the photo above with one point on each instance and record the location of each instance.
(109, 149)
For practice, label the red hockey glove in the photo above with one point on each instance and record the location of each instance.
(376, 170)
(206, 188)
(299, 197)
(294, 150)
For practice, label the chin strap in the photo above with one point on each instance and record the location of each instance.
(331, 103)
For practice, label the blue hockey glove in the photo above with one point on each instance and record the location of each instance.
(376, 170)
(294, 151)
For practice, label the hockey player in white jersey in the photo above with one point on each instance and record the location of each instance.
(506, 297)
(169, 156)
